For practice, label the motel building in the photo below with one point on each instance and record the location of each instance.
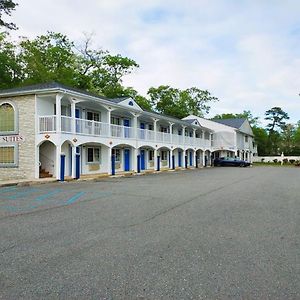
(50, 130)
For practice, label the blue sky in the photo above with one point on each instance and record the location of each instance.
(246, 53)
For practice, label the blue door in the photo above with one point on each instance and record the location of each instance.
(142, 135)
(143, 160)
(179, 158)
(126, 123)
(126, 160)
(191, 158)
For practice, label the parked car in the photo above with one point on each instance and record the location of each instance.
(230, 161)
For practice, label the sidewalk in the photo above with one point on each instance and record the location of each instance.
(25, 182)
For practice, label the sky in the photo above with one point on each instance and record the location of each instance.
(245, 52)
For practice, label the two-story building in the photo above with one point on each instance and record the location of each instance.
(54, 130)
(231, 137)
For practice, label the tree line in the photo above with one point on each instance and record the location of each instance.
(54, 57)
(277, 136)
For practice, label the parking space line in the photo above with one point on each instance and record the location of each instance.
(45, 196)
(75, 197)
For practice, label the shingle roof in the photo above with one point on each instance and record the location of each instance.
(49, 85)
(235, 123)
(55, 85)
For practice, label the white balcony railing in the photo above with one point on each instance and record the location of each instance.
(88, 127)
(163, 137)
(145, 134)
(91, 127)
(47, 124)
(66, 124)
(121, 131)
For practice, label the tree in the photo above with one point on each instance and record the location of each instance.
(6, 7)
(246, 114)
(288, 133)
(10, 68)
(180, 103)
(277, 116)
(47, 58)
(261, 139)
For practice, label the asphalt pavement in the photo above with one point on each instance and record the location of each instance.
(215, 233)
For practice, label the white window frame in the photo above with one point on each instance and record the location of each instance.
(16, 118)
(94, 161)
(162, 154)
(93, 115)
(15, 164)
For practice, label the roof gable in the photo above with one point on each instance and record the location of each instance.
(241, 124)
(129, 102)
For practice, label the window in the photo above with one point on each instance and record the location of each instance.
(8, 156)
(117, 154)
(151, 155)
(246, 138)
(115, 121)
(93, 116)
(93, 155)
(130, 103)
(164, 129)
(7, 118)
(164, 155)
(150, 127)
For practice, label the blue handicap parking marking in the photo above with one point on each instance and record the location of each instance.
(25, 199)
(48, 195)
(75, 197)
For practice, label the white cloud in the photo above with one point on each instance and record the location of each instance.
(244, 52)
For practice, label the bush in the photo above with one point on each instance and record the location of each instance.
(297, 163)
(262, 160)
(292, 161)
(285, 160)
(275, 160)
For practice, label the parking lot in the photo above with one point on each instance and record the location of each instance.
(215, 233)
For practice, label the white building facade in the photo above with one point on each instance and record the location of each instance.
(54, 130)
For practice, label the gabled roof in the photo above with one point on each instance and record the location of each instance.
(242, 124)
(236, 123)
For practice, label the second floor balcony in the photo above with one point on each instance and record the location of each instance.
(69, 125)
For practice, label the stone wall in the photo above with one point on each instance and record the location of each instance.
(26, 153)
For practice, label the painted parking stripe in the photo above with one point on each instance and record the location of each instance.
(75, 197)
(21, 194)
(46, 196)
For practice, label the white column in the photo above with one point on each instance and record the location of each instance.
(170, 129)
(203, 158)
(109, 154)
(58, 112)
(183, 134)
(57, 161)
(73, 120)
(194, 136)
(37, 162)
(155, 159)
(134, 159)
(135, 127)
(73, 161)
(194, 158)
(155, 128)
(171, 159)
(183, 158)
(109, 122)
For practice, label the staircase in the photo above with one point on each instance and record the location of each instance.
(45, 174)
